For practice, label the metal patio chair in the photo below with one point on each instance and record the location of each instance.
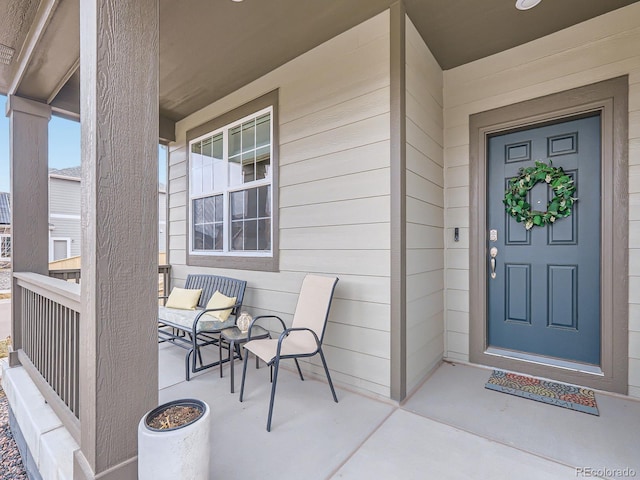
(303, 339)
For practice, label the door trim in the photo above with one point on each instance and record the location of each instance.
(610, 99)
(52, 250)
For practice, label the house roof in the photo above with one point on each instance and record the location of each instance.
(245, 40)
(72, 172)
(5, 209)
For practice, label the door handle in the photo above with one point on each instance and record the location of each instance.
(493, 253)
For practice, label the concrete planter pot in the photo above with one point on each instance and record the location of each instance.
(178, 452)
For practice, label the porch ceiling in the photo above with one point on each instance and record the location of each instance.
(211, 48)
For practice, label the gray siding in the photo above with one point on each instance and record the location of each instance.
(67, 228)
(334, 196)
(64, 211)
(64, 196)
(425, 209)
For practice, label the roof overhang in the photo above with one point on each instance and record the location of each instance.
(210, 49)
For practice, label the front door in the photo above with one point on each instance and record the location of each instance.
(544, 299)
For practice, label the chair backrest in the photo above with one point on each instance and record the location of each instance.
(314, 302)
(231, 287)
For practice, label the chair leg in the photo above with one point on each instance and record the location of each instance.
(199, 355)
(186, 361)
(299, 371)
(273, 393)
(326, 370)
(244, 374)
(220, 355)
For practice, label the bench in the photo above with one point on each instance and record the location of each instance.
(192, 329)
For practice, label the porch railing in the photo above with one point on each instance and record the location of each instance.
(49, 315)
(66, 274)
(73, 274)
(50, 319)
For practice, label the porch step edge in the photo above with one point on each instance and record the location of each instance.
(48, 442)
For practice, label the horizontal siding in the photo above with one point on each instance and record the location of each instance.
(67, 228)
(367, 184)
(599, 49)
(64, 196)
(424, 209)
(334, 128)
(337, 164)
(368, 236)
(359, 211)
(64, 212)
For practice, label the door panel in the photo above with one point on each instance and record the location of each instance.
(545, 298)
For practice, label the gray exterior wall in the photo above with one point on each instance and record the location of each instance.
(334, 196)
(425, 209)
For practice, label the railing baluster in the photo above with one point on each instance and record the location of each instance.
(51, 324)
(50, 335)
(46, 366)
(63, 373)
(56, 369)
(76, 356)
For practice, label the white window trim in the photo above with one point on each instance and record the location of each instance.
(65, 216)
(226, 223)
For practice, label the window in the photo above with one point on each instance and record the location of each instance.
(231, 183)
(5, 247)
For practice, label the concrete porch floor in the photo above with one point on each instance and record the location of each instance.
(451, 428)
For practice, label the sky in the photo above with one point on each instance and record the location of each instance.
(64, 146)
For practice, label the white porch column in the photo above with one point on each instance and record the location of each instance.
(29, 146)
(119, 117)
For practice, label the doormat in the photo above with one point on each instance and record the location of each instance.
(559, 394)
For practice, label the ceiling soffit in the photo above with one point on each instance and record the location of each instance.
(209, 49)
(460, 32)
(212, 50)
(16, 17)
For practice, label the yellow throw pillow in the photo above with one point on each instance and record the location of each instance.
(183, 298)
(218, 300)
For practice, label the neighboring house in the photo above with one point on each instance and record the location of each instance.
(64, 213)
(5, 226)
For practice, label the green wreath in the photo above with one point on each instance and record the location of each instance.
(515, 198)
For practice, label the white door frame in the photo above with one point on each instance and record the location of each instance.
(58, 239)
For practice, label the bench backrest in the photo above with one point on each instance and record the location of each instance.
(230, 287)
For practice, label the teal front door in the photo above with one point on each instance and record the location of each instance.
(544, 296)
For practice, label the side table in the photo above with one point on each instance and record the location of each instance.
(234, 337)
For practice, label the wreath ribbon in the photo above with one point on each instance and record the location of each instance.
(560, 206)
